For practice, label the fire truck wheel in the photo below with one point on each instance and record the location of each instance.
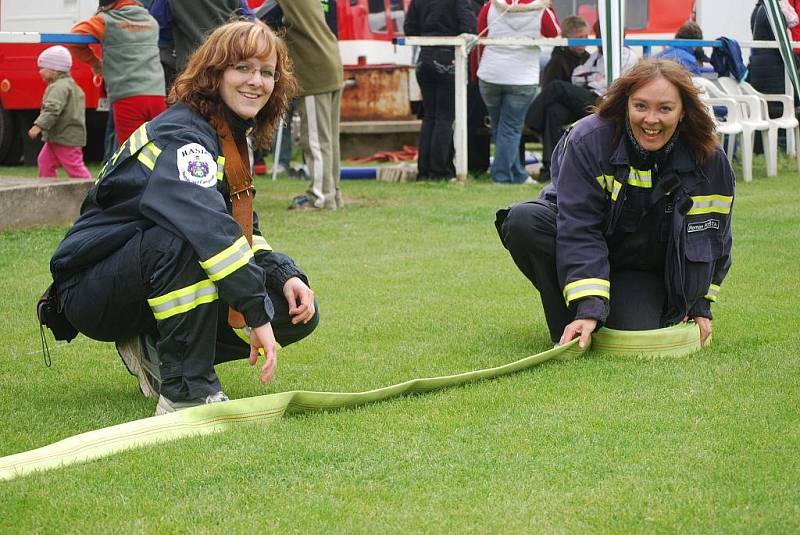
(8, 132)
(17, 146)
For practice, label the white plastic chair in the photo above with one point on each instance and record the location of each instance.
(731, 126)
(752, 119)
(787, 121)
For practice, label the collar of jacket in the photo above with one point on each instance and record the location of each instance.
(679, 160)
(239, 127)
(568, 51)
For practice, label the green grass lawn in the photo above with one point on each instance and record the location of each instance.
(413, 282)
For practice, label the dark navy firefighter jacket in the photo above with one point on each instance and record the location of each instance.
(593, 184)
(171, 173)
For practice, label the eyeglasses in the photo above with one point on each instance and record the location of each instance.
(246, 69)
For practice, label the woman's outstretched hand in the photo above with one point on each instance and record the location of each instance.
(583, 328)
(705, 327)
(263, 338)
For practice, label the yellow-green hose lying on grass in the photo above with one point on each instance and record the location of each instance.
(669, 342)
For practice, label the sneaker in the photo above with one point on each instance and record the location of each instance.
(300, 202)
(166, 405)
(138, 353)
(529, 180)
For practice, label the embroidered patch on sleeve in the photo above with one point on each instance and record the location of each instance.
(196, 165)
(700, 226)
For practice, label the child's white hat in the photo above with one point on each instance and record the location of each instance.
(56, 57)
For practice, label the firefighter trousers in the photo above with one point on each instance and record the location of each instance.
(528, 231)
(109, 302)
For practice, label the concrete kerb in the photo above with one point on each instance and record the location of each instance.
(26, 202)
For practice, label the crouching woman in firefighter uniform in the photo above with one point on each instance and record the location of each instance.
(635, 230)
(160, 251)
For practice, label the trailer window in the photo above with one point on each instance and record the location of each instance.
(636, 11)
(378, 19)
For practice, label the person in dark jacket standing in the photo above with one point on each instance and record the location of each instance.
(436, 78)
(765, 69)
(156, 257)
(189, 21)
(635, 230)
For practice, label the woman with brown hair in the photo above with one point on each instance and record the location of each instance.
(167, 240)
(635, 230)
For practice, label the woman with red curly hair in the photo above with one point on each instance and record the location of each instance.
(167, 241)
(635, 230)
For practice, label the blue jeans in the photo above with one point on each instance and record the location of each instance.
(507, 106)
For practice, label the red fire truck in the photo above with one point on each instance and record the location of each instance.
(379, 76)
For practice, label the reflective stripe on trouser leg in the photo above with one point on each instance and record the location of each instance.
(184, 302)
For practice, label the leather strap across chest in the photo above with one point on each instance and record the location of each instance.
(240, 189)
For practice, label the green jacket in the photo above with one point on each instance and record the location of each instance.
(131, 65)
(312, 47)
(63, 115)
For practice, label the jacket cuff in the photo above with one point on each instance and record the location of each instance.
(278, 269)
(702, 308)
(258, 312)
(591, 308)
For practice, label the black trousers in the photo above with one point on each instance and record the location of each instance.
(558, 104)
(436, 78)
(478, 137)
(108, 302)
(528, 231)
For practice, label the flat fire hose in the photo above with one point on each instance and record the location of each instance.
(674, 341)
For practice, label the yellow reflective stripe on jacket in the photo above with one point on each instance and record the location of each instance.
(138, 139)
(119, 152)
(616, 190)
(148, 155)
(229, 260)
(260, 244)
(707, 204)
(220, 167)
(183, 300)
(134, 143)
(640, 178)
(605, 182)
(102, 171)
(713, 292)
(608, 183)
(586, 287)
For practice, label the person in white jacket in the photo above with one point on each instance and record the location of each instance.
(508, 76)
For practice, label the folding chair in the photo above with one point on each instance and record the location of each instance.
(752, 119)
(787, 121)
